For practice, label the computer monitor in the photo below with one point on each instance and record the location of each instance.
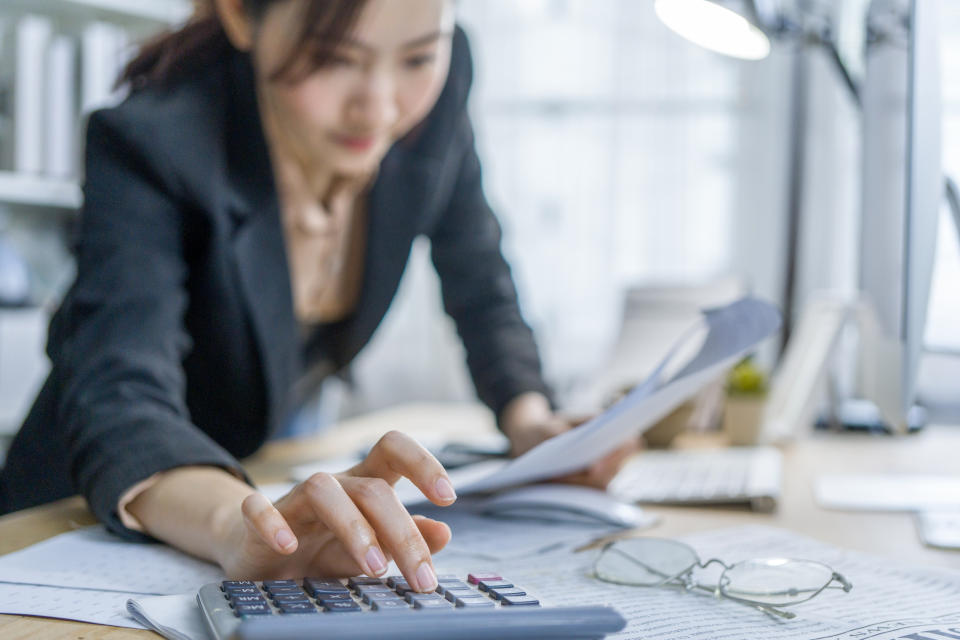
(902, 193)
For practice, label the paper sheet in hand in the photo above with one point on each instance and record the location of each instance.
(728, 334)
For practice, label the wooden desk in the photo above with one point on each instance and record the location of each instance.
(935, 450)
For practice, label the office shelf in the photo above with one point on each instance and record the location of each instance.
(122, 12)
(37, 191)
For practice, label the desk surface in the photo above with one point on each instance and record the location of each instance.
(932, 451)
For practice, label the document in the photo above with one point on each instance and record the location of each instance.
(726, 335)
(890, 600)
(90, 575)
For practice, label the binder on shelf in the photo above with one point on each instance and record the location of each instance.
(105, 52)
(33, 35)
(7, 67)
(61, 109)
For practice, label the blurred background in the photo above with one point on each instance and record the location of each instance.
(632, 170)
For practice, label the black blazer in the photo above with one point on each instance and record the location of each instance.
(177, 344)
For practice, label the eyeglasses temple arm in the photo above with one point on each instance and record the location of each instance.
(786, 615)
(844, 583)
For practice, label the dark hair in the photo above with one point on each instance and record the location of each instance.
(202, 40)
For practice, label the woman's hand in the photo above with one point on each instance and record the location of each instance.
(528, 420)
(343, 524)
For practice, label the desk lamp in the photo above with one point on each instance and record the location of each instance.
(730, 28)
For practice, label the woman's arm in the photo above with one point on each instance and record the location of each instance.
(119, 341)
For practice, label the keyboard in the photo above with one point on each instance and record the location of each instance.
(483, 605)
(735, 475)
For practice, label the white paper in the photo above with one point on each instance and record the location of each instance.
(85, 605)
(91, 558)
(498, 539)
(889, 601)
(175, 617)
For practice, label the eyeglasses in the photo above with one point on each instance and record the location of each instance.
(764, 583)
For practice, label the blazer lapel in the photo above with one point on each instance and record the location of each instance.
(259, 245)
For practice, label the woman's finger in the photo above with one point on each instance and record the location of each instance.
(395, 528)
(435, 533)
(325, 499)
(398, 455)
(268, 523)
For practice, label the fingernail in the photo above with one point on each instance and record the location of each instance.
(445, 489)
(375, 561)
(285, 539)
(426, 579)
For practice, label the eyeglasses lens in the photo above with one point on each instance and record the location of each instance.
(775, 581)
(644, 561)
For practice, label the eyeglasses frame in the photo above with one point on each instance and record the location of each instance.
(685, 577)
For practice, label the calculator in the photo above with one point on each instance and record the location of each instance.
(482, 605)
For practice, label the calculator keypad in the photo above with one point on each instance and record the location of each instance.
(361, 594)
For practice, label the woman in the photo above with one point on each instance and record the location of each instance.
(249, 210)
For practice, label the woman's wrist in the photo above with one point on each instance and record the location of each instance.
(194, 508)
(524, 411)
(527, 420)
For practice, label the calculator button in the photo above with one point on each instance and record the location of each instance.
(324, 598)
(474, 603)
(356, 583)
(404, 588)
(431, 604)
(251, 609)
(247, 599)
(393, 580)
(242, 591)
(453, 586)
(317, 585)
(476, 578)
(286, 591)
(380, 588)
(369, 598)
(341, 607)
(390, 605)
(500, 594)
(226, 584)
(296, 607)
(269, 584)
(486, 585)
(453, 596)
(456, 592)
(447, 578)
(291, 597)
(520, 600)
(423, 597)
